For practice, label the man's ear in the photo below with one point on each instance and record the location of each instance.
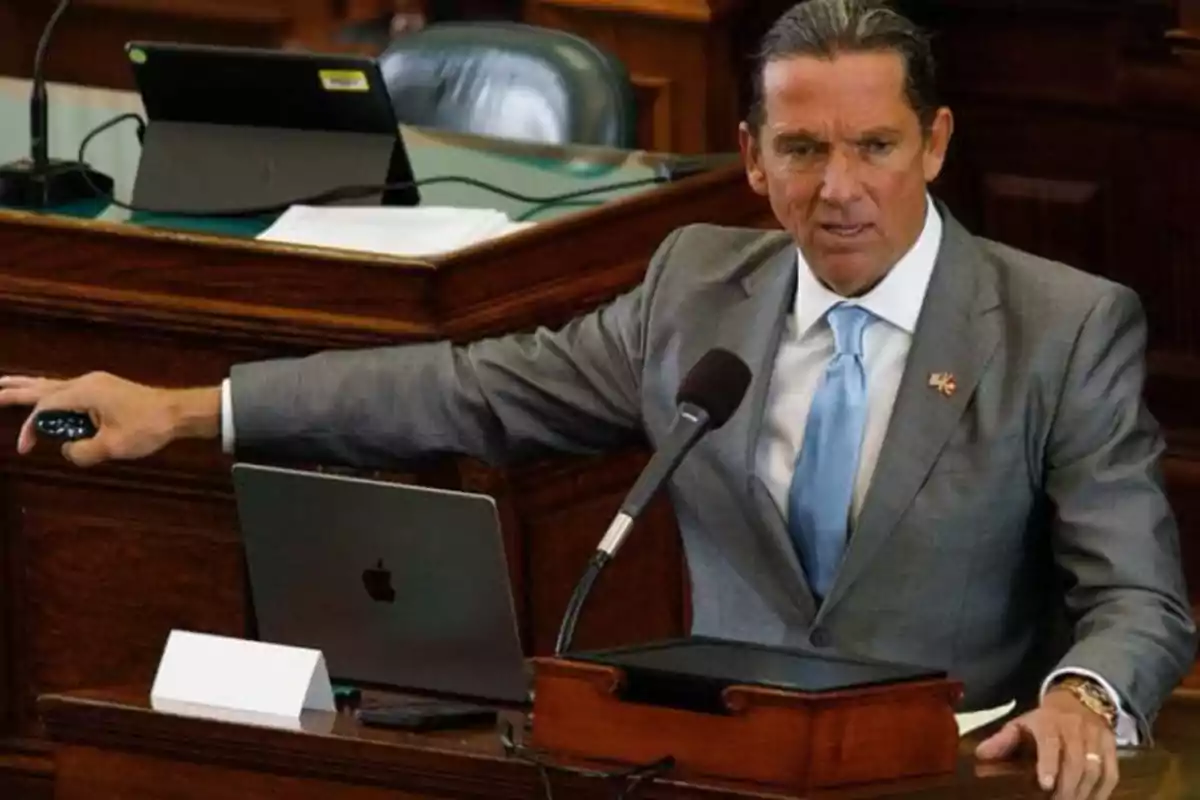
(937, 143)
(752, 157)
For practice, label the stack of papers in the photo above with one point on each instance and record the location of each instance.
(391, 230)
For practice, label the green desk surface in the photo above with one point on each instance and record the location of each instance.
(529, 169)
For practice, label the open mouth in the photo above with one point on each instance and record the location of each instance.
(845, 231)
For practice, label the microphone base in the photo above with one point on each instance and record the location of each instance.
(61, 183)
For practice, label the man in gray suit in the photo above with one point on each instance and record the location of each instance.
(943, 457)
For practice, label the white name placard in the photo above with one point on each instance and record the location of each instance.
(239, 680)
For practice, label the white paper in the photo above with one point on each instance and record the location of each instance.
(411, 231)
(239, 680)
(973, 720)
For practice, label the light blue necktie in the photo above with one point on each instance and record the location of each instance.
(823, 482)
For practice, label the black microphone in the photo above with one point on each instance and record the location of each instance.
(706, 399)
(39, 181)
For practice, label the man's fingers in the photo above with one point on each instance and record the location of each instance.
(1002, 744)
(1071, 771)
(1111, 768)
(27, 438)
(1099, 757)
(1049, 755)
(1092, 766)
(20, 395)
(86, 452)
(16, 381)
(18, 390)
(65, 396)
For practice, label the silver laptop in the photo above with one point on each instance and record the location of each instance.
(399, 586)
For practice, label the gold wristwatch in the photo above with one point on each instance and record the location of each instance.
(1092, 695)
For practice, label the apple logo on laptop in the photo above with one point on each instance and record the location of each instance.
(377, 580)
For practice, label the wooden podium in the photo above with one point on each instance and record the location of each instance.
(790, 740)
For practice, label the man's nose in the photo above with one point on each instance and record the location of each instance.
(840, 183)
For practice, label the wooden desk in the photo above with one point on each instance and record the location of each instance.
(111, 745)
(96, 567)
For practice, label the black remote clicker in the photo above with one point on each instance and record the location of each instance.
(66, 426)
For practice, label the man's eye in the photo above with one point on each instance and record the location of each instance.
(876, 147)
(806, 151)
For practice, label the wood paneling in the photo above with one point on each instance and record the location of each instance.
(15, 55)
(103, 588)
(1182, 472)
(1074, 139)
(88, 47)
(28, 772)
(1189, 14)
(703, 11)
(656, 111)
(658, 53)
(585, 494)
(1055, 218)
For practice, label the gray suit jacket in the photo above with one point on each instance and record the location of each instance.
(1014, 526)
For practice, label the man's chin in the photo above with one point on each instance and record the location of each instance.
(847, 273)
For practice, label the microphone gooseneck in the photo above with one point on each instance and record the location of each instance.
(706, 400)
(39, 107)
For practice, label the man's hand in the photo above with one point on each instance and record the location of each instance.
(132, 421)
(1076, 749)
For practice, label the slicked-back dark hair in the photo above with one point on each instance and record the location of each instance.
(825, 28)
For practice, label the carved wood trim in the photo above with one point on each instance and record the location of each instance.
(165, 313)
(26, 769)
(662, 107)
(686, 10)
(253, 12)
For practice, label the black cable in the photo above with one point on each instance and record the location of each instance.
(352, 192)
(547, 787)
(628, 780)
(82, 159)
(525, 216)
(633, 780)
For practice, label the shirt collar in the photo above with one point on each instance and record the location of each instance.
(897, 298)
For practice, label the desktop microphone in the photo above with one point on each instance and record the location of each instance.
(39, 181)
(706, 399)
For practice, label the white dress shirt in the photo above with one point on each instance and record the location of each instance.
(807, 346)
(805, 349)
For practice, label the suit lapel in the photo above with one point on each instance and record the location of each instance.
(955, 335)
(752, 328)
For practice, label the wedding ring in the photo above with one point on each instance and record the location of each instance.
(1095, 758)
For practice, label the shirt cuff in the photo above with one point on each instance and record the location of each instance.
(226, 418)
(1127, 729)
